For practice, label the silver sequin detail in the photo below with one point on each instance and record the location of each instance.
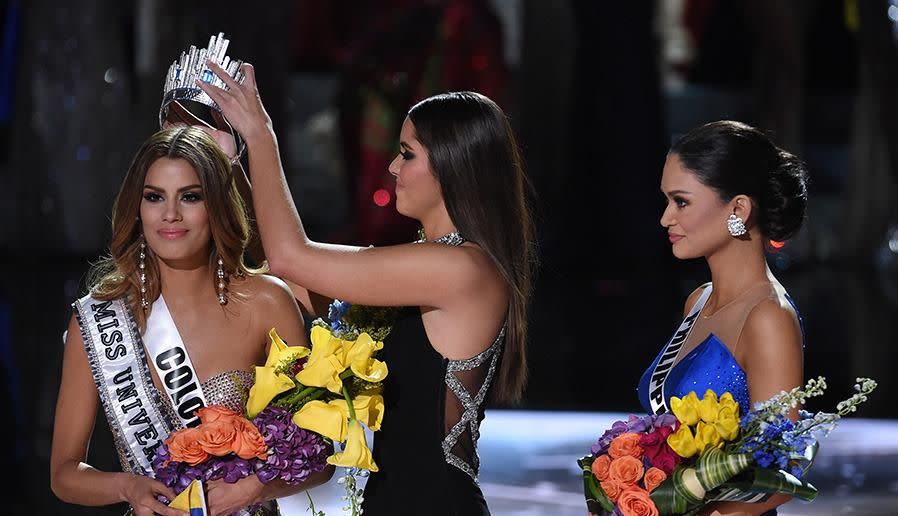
(228, 389)
(471, 403)
(453, 239)
(450, 239)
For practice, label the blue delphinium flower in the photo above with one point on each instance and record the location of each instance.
(337, 310)
(763, 458)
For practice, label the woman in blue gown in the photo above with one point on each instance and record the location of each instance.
(730, 192)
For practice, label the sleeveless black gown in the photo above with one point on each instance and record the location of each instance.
(415, 476)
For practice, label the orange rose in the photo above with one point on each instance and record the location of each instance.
(214, 413)
(184, 446)
(635, 501)
(625, 444)
(612, 489)
(653, 478)
(626, 470)
(217, 437)
(600, 467)
(248, 442)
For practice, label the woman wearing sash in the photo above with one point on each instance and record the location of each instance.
(730, 190)
(175, 321)
(464, 288)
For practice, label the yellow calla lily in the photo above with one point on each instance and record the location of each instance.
(682, 442)
(708, 407)
(325, 372)
(279, 351)
(369, 409)
(356, 453)
(360, 359)
(686, 409)
(706, 435)
(727, 423)
(268, 385)
(324, 418)
(327, 361)
(324, 345)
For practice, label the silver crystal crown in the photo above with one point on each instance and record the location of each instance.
(180, 82)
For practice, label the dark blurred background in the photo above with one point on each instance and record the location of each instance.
(596, 92)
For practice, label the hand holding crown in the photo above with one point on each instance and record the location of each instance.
(240, 102)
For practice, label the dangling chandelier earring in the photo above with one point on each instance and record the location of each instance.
(222, 300)
(143, 275)
(735, 225)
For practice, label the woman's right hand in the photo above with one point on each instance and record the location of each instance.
(141, 493)
(240, 103)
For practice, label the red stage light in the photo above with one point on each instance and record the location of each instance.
(381, 197)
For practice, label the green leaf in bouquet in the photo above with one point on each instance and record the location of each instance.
(715, 467)
(686, 489)
(596, 499)
(757, 484)
(672, 497)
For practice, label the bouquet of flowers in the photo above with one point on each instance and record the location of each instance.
(704, 452)
(302, 400)
(226, 445)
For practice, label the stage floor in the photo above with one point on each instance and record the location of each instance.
(529, 467)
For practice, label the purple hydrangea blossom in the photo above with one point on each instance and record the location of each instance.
(174, 474)
(293, 453)
(231, 468)
(633, 424)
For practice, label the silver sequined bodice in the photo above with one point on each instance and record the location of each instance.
(228, 389)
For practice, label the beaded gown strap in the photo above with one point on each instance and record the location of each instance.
(468, 384)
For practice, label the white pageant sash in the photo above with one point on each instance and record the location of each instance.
(657, 397)
(173, 365)
(118, 363)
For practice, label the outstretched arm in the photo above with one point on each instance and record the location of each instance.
(420, 274)
(71, 479)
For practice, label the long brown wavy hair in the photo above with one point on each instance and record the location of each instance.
(118, 274)
(475, 158)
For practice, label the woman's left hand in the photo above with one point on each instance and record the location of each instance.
(240, 103)
(224, 498)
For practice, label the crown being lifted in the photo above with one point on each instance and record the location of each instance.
(180, 83)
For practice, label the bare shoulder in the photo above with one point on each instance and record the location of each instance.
(693, 298)
(478, 283)
(266, 290)
(476, 264)
(273, 306)
(770, 347)
(772, 323)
